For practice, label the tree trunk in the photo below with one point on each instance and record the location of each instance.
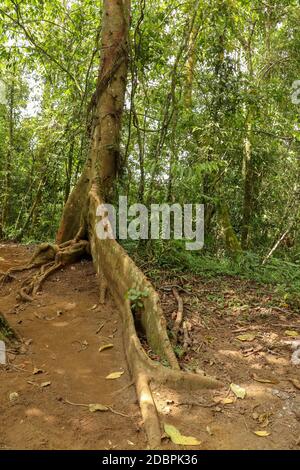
(9, 156)
(231, 241)
(106, 107)
(248, 185)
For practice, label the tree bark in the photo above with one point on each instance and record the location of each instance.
(248, 185)
(106, 109)
(9, 155)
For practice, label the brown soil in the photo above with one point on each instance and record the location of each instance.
(58, 331)
(216, 312)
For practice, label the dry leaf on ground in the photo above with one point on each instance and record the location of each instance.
(97, 407)
(115, 375)
(177, 438)
(239, 392)
(45, 384)
(292, 333)
(106, 346)
(246, 337)
(262, 433)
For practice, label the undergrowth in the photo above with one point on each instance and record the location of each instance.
(172, 256)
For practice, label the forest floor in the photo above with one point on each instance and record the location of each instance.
(237, 331)
(59, 337)
(63, 328)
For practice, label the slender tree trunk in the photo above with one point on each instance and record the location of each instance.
(9, 157)
(69, 169)
(32, 210)
(231, 241)
(191, 61)
(248, 185)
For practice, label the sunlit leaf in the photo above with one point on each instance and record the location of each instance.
(262, 433)
(246, 337)
(239, 392)
(93, 407)
(177, 438)
(115, 375)
(105, 346)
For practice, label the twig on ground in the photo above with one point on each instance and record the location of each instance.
(123, 388)
(195, 403)
(109, 408)
(100, 327)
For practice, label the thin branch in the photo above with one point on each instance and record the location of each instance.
(37, 45)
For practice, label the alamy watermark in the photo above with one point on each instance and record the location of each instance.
(162, 221)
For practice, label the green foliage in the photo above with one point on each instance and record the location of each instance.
(6, 332)
(172, 257)
(136, 297)
(201, 75)
(179, 351)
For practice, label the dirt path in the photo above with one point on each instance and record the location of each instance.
(59, 329)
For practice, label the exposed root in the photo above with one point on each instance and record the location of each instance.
(49, 258)
(8, 275)
(32, 284)
(148, 410)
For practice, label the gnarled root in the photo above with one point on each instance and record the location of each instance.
(45, 252)
(50, 258)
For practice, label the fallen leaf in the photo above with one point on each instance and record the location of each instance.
(97, 407)
(291, 333)
(238, 391)
(115, 375)
(93, 307)
(37, 371)
(262, 433)
(130, 443)
(177, 438)
(105, 346)
(45, 384)
(246, 337)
